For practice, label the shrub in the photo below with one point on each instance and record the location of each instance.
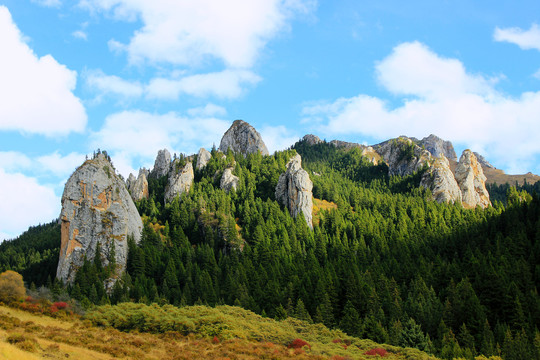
(377, 351)
(61, 305)
(11, 287)
(23, 342)
(298, 344)
(215, 340)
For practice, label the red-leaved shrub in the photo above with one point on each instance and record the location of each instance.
(61, 305)
(215, 340)
(337, 341)
(298, 344)
(377, 351)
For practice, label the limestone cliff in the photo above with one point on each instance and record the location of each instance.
(96, 208)
(403, 156)
(180, 180)
(311, 139)
(440, 180)
(294, 190)
(243, 138)
(228, 180)
(162, 164)
(437, 147)
(139, 187)
(202, 158)
(471, 181)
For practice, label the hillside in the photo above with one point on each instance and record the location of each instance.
(382, 259)
(214, 333)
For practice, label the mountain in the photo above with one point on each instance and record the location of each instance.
(387, 242)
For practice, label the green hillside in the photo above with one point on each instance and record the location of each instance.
(383, 262)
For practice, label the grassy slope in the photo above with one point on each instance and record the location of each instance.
(246, 336)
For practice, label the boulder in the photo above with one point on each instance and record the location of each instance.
(472, 182)
(243, 138)
(162, 164)
(202, 158)
(180, 180)
(96, 208)
(228, 180)
(294, 190)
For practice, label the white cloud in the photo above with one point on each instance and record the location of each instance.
(225, 84)
(24, 203)
(59, 165)
(48, 3)
(190, 32)
(537, 74)
(79, 34)
(14, 161)
(447, 101)
(111, 84)
(133, 138)
(525, 39)
(36, 92)
(278, 138)
(208, 110)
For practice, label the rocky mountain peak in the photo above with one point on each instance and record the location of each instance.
(294, 190)
(403, 156)
(312, 139)
(202, 158)
(437, 147)
(162, 164)
(180, 180)
(482, 160)
(472, 182)
(96, 208)
(243, 138)
(440, 180)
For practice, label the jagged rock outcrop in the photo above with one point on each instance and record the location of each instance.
(130, 181)
(294, 190)
(180, 180)
(162, 164)
(482, 160)
(311, 139)
(139, 188)
(96, 208)
(243, 138)
(403, 156)
(437, 147)
(440, 180)
(471, 181)
(202, 158)
(228, 180)
(345, 144)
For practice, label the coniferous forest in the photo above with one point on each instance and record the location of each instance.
(383, 261)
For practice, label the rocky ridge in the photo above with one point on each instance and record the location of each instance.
(202, 158)
(96, 208)
(162, 164)
(243, 138)
(138, 188)
(294, 190)
(437, 147)
(440, 180)
(228, 180)
(403, 156)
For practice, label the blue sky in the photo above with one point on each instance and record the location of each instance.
(135, 76)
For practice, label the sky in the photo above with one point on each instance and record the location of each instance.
(135, 76)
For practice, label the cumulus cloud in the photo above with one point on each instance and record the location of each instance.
(36, 92)
(278, 138)
(190, 32)
(24, 203)
(133, 138)
(112, 84)
(60, 165)
(207, 110)
(79, 34)
(225, 84)
(525, 39)
(440, 97)
(48, 3)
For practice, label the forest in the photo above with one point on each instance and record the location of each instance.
(383, 261)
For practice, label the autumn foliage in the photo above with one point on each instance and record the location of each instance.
(11, 287)
(298, 344)
(377, 351)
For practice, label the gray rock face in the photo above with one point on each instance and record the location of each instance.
(202, 158)
(228, 180)
(472, 182)
(243, 138)
(482, 160)
(96, 208)
(130, 181)
(139, 188)
(180, 180)
(162, 164)
(294, 190)
(440, 180)
(312, 139)
(346, 145)
(437, 147)
(403, 156)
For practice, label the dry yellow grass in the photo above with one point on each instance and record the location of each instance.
(319, 206)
